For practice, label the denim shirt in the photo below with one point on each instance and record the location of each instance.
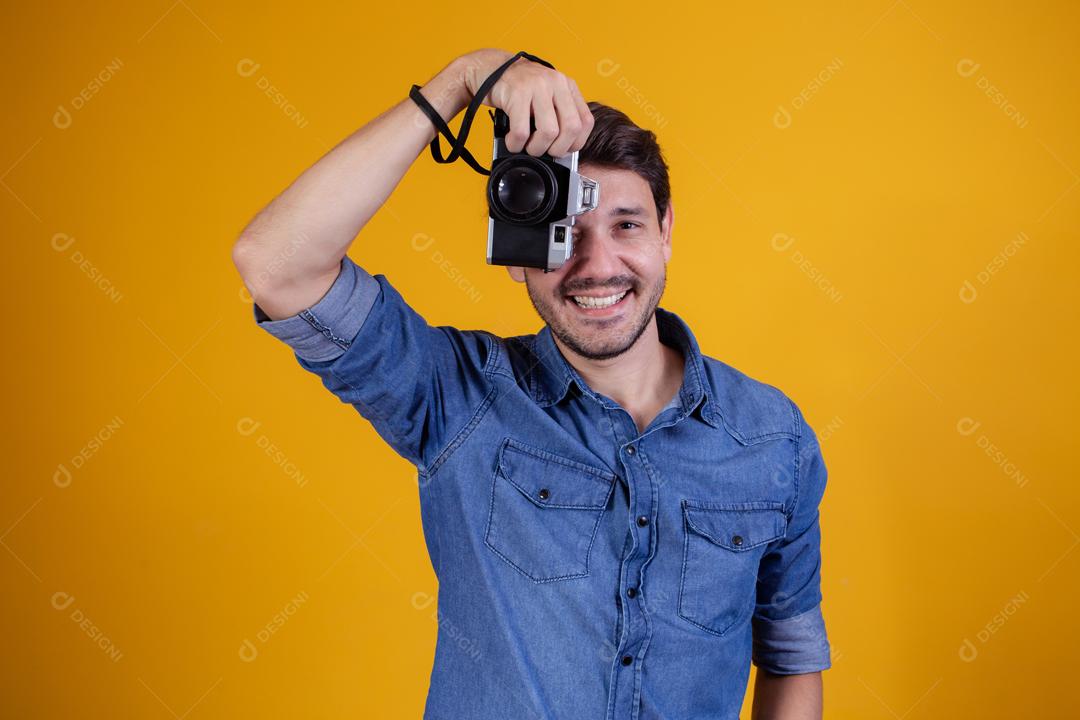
(586, 569)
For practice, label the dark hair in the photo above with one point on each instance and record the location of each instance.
(615, 141)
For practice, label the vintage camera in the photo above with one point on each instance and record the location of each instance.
(532, 203)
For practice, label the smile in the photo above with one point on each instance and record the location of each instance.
(594, 304)
(598, 302)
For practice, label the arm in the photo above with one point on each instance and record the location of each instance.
(790, 642)
(314, 220)
(291, 252)
(419, 385)
(786, 697)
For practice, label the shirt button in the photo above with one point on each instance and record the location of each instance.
(630, 450)
(736, 540)
(626, 659)
(642, 520)
(543, 494)
(631, 592)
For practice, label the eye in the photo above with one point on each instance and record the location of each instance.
(631, 224)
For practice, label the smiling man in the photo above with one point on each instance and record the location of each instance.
(600, 307)
(620, 525)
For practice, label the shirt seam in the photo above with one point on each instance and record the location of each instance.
(798, 455)
(478, 414)
(325, 330)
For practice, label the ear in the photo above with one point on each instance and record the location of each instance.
(665, 230)
(517, 273)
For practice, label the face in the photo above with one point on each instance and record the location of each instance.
(617, 270)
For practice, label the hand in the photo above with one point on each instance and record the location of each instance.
(562, 117)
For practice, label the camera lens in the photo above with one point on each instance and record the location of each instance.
(521, 190)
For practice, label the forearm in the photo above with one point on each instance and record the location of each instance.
(289, 254)
(787, 697)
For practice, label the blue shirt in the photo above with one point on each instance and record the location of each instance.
(586, 569)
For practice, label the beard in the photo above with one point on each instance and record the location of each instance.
(596, 340)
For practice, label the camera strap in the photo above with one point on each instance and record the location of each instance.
(458, 143)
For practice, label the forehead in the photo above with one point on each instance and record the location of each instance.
(619, 188)
(618, 179)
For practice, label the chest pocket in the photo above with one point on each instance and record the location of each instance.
(723, 545)
(545, 510)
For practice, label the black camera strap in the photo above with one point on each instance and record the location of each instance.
(458, 143)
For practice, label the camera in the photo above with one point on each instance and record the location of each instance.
(532, 204)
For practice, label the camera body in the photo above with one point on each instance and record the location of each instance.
(532, 204)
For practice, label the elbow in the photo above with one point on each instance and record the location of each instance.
(245, 257)
(242, 251)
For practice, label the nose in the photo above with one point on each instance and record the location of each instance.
(595, 257)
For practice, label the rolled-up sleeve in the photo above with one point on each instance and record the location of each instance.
(788, 625)
(325, 330)
(417, 384)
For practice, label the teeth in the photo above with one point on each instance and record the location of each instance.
(602, 302)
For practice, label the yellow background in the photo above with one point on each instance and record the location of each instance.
(831, 253)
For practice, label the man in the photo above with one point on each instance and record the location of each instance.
(619, 524)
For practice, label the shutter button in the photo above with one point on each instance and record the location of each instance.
(543, 494)
(736, 540)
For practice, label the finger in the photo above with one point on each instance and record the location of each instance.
(587, 119)
(547, 123)
(518, 133)
(569, 121)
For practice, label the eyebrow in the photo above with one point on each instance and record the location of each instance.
(636, 210)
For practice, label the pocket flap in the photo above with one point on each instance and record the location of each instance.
(553, 481)
(736, 526)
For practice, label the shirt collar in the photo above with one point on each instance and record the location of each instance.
(554, 377)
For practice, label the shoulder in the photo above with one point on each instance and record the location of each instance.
(479, 349)
(514, 356)
(751, 410)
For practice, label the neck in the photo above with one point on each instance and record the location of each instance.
(641, 380)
